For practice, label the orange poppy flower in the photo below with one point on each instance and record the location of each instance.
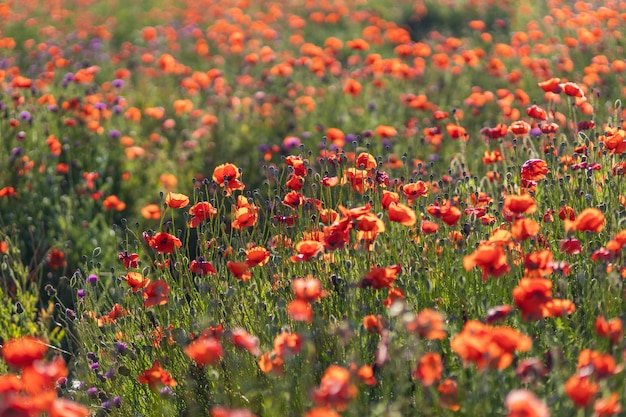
(428, 324)
(7, 192)
(359, 179)
(366, 161)
(335, 389)
(309, 289)
(553, 85)
(156, 293)
(156, 376)
(200, 212)
(429, 369)
(602, 365)
(257, 256)
(307, 249)
(322, 412)
(380, 277)
(402, 214)
(519, 128)
(244, 340)
(393, 294)
(287, 343)
(538, 264)
(491, 259)
(415, 190)
(227, 176)
(487, 346)
(336, 136)
(151, 211)
(385, 131)
(23, 351)
(519, 204)
(449, 395)
(136, 281)
(61, 407)
(521, 402)
(537, 112)
(366, 374)
(557, 307)
(372, 323)
(388, 198)
(204, 351)
(524, 228)
(162, 242)
(531, 295)
(611, 329)
(241, 270)
(605, 407)
(534, 170)
(581, 389)
(572, 89)
(448, 213)
(455, 131)
(112, 202)
(300, 310)
(176, 200)
(589, 220)
(246, 214)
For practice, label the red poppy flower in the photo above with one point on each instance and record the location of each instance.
(308, 289)
(219, 411)
(204, 351)
(491, 259)
(572, 89)
(402, 214)
(201, 266)
(300, 310)
(335, 389)
(241, 270)
(553, 85)
(415, 190)
(156, 376)
(537, 112)
(244, 340)
(380, 277)
(531, 296)
(611, 329)
(521, 402)
(56, 259)
(428, 324)
(605, 407)
(524, 228)
(518, 204)
(156, 293)
(136, 281)
(307, 249)
(581, 389)
(200, 212)
(162, 242)
(23, 351)
(589, 220)
(449, 395)
(429, 369)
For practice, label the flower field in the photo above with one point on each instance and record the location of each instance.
(312, 208)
